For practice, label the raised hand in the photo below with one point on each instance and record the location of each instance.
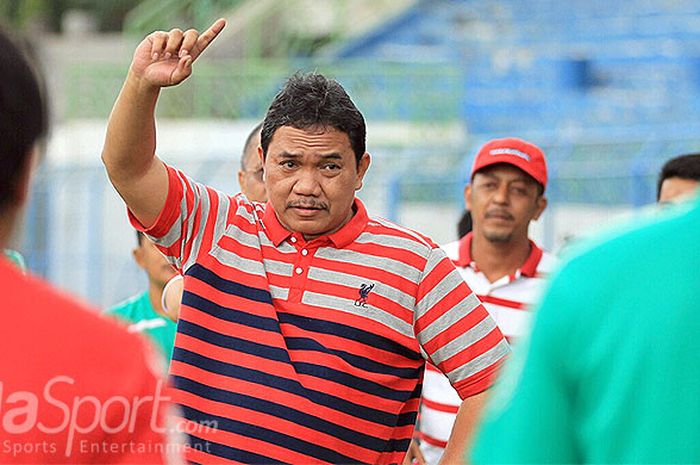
(165, 59)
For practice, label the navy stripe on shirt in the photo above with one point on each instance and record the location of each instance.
(284, 384)
(267, 435)
(230, 287)
(284, 412)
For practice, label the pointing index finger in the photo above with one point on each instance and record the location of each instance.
(208, 36)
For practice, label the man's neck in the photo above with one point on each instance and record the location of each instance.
(499, 259)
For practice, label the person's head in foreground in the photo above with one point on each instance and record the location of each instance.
(250, 174)
(679, 178)
(313, 151)
(609, 373)
(23, 122)
(57, 352)
(506, 192)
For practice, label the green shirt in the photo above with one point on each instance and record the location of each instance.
(611, 373)
(16, 258)
(142, 318)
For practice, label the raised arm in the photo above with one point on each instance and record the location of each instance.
(162, 59)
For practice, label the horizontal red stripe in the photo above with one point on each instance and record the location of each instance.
(479, 382)
(440, 407)
(333, 342)
(351, 293)
(445, 305)
(470, 353)
(397, 281)
(430, 367)
(431, 440)
(442, 269)
(294, 401)
(504, 302)
(223, 299)
(387, 252)
(330, 360)
(199, 456)
(273, 423)
(350, 319)
(268, 449)
(464, 324)
(229, 328)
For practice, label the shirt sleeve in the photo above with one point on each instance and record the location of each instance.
(192, 220)
(529, 418)
(454, 329)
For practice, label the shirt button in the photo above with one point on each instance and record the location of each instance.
(304, 252)
(294, 240)
(299, 271)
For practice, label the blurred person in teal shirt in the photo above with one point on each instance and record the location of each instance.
(144, 313)
(611, 373)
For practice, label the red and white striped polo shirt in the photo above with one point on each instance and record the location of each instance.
(311, 351)
(507, 300)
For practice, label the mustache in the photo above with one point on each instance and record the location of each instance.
(310, 204)
(499, 213)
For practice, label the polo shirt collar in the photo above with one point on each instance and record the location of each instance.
(341, 238)
(528, 269)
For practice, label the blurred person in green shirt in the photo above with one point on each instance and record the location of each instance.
(610, 373)
(144, 313)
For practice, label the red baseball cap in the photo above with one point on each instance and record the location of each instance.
(517, 152)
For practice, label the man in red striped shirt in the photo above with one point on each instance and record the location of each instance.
(305, 323)
(497, 260)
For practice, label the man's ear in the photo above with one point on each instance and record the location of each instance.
(362, 168)
(468, 197)
(541, 205)
(137, 253)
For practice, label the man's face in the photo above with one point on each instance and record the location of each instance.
(503, 200)
(311, 177)
(677, 189)
(251, 177)
(154, 263)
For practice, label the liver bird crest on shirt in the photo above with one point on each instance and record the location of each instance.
(364, 291)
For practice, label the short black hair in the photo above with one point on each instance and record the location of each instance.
(312, 100)
(249, 140)
(683, 166)
(23, 114)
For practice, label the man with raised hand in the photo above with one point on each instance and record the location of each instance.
(74, 387)
(498, 261)
(305, 323)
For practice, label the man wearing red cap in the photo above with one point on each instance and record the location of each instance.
(497, 260)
